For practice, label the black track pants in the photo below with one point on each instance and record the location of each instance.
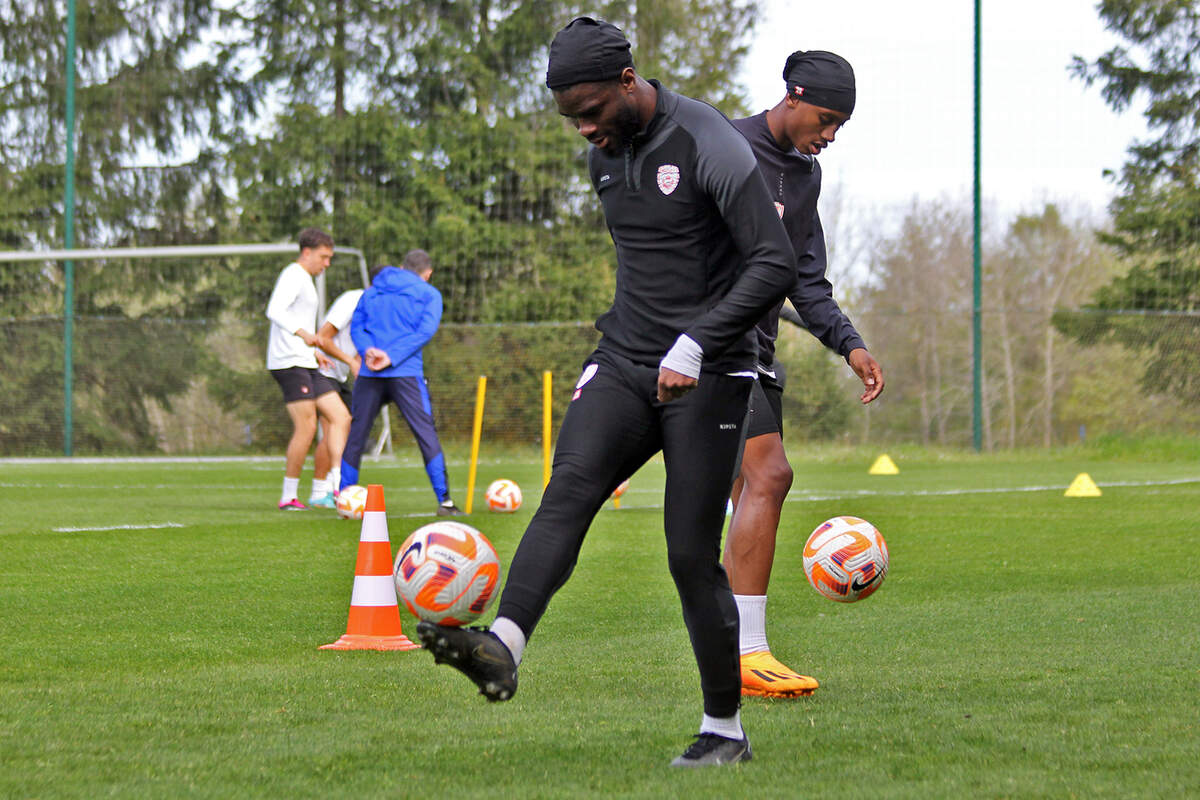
(612, 426)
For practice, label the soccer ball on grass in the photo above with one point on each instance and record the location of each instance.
(447, 573)
(503, 495)
(352, 502)
(845, 559)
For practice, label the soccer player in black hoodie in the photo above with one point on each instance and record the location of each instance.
(819, 98)
(701, 257)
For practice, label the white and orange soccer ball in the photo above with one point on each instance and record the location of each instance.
(503, 495)
(447, 573)
(845, 559)
(352, 502)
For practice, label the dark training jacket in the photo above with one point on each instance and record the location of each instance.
(700, 249)
(794, 182)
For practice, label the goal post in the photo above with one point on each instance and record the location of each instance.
(183, 251)
(172, 251)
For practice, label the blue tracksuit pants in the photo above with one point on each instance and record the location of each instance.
(410, 393)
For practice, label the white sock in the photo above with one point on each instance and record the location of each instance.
(729, 727)
(291, 486)
(335, 478)
(752, 622)
(510, 633)
(320, 488)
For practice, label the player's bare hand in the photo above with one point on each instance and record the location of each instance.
(868, 371)
(323, 361)
(355, 365)
(377, 359)
(673, 385)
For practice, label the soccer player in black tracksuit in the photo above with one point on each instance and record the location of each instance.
(819, 98)
(701, 257)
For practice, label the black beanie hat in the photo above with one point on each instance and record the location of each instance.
(587, 50)
(821, 78)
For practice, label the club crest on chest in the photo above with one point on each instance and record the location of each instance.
(668, 178)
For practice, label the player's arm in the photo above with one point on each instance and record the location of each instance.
(812, 296)
(282, 296)
(411, 343)
(741, 196)
(360, 324)
(788, 313)
(325, 342)
(361, 332)
(728, 171)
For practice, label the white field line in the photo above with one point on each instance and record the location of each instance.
(402, 463)
(803, 496)
(142, 460)
(228, 487)
(794, 496)
(272, 461)
(147, 527)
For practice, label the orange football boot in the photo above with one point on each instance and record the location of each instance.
(764, 676)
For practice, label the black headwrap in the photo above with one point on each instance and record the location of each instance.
(821, 78)
(586, 51)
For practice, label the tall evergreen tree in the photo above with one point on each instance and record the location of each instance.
(1156, 217)
(447, 138)
(694, 46)
(144, 98)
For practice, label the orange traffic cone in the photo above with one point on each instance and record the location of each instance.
(374, 615)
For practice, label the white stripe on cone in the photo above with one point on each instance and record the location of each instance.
(373, 590)
(374, 527)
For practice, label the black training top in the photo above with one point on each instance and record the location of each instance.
(699, 247)
(794, 181)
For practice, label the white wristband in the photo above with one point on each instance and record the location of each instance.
(684, 357)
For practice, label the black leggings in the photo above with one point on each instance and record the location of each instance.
(612, 426)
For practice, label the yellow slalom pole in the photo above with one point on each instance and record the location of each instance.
(546, 409)
(476, 431)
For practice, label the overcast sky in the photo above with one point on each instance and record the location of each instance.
(1046, 135)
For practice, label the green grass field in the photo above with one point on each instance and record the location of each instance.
(1024, 644)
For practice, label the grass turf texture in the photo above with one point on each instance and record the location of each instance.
(1023, 645)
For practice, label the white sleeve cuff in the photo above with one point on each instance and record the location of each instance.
(684, 357)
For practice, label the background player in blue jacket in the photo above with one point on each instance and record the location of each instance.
(392, 322)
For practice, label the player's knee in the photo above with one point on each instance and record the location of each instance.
(576, 495)
(306, 426)
(770, 481)
(575, 483)
(778, 480)
(691, 570)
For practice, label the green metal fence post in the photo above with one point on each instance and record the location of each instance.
(69, 242)
(976, 320)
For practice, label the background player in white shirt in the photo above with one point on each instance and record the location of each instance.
(293, 361)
